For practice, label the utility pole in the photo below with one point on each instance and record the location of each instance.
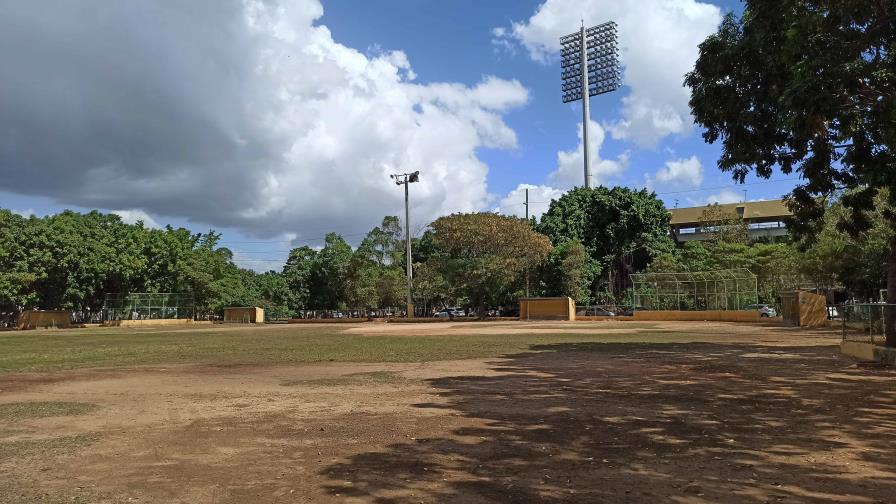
(527, 220)
(589, 67)
(406, 179)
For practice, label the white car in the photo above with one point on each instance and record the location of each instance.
(764, 310)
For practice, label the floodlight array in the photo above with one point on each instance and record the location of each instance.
(602, 57)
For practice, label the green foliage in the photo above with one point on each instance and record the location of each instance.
(620, 228)
(727, 228)
(608, 222)
(484, 255)
(297, 273)
(72, 260)
(568, 271)
(806, 86)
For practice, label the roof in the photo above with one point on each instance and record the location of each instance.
(753, 210)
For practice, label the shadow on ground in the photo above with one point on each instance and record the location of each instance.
(641, 423)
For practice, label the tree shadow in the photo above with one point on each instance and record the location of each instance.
(698, 422)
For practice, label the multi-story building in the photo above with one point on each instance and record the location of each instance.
(764, 219)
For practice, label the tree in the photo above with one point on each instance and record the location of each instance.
(614, 225)
(569, 271)
(330, 273)
(725, 227)
(807, 86)
(484, 255)
(297, 273)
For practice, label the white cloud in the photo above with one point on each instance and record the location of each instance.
(658, 42)
(540, 197)
(725, 196)
(686, 172)
(134, 215)
(24, 213)
(236, 114)
(570, 164)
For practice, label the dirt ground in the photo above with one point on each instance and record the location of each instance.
(725, 413)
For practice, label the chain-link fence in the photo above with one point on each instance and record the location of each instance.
(867, 322)
(730, 289)
(148, 306)
(603, 310)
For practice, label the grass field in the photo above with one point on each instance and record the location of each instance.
(57, 350)
(457, 413)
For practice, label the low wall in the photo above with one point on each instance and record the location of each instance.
(34, 319)
(698, 316)
(330, 321)
(869, 352)
(857, 350)
(441, 320)
(601, 318)
(153, 322)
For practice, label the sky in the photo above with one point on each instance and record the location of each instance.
(277, 121)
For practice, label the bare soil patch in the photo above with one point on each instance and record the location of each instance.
(710, 413)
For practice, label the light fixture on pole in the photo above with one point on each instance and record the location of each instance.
(589, 67)
(406, 179)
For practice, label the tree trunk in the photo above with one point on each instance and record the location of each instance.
(890, 307)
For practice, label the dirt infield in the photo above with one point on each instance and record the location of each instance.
(714, 413)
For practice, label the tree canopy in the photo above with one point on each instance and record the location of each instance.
(485, 255)
(807, 86)
(612, 224)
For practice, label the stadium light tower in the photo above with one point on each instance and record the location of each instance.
(589, 66)
(406, 179)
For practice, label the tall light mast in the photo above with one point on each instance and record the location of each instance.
(589, 67)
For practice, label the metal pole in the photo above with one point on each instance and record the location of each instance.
(586, 114)
(527, 221)
(407, 239)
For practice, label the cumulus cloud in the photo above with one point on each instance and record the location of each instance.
(686, 172)
(658, 42)
(29, 212)
(135, 215)
(242, 114)
(540, 197)
(722, 197)
(570, 164)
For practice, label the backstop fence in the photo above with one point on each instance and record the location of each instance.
(729, 289)
(865, 322)
(148, 306)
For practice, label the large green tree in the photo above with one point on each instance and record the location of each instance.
(297, 272)
(614, 225)
(484, 255)
(330, 274)
(568, 271)
(807, 86)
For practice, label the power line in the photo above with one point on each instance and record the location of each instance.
(729, 186)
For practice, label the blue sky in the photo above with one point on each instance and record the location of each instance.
(484, 69)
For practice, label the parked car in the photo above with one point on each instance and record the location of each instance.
(763, 309)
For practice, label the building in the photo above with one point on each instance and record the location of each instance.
(764, 219)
